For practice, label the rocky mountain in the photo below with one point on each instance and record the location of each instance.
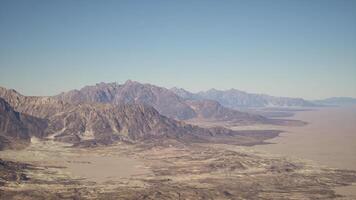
(165, 101)
(337, 101)
(106, 123)
(99, 123)
(16, 128)
(82, 121)
(237, 99)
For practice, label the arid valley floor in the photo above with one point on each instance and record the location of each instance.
(166, 169)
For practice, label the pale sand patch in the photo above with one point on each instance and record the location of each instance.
(98, 165)
(103, 168)
(329, 139)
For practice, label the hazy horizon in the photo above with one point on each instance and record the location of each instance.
(282, 48)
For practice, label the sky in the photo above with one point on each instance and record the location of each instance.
(295, 48)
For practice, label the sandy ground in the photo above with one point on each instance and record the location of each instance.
(164, 169)
(169, 169)
(81, 163)
(329, 139)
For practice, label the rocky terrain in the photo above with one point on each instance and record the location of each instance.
(237, 99)
(174, 170)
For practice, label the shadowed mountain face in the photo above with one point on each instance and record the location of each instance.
(165, 101)
(236, 99)
(11, 126)
(16, 129)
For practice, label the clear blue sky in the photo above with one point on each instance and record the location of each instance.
(285, 48)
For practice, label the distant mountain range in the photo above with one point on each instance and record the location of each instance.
(337, 101)
(238, 99)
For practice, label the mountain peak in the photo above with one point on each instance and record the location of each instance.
(129, 81)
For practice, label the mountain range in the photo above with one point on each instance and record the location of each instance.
(237, 99)
(93, 116)
(108, 112)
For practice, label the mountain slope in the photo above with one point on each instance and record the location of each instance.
(106, 123)
(16, 129)
(185, 94)
(41, 107)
